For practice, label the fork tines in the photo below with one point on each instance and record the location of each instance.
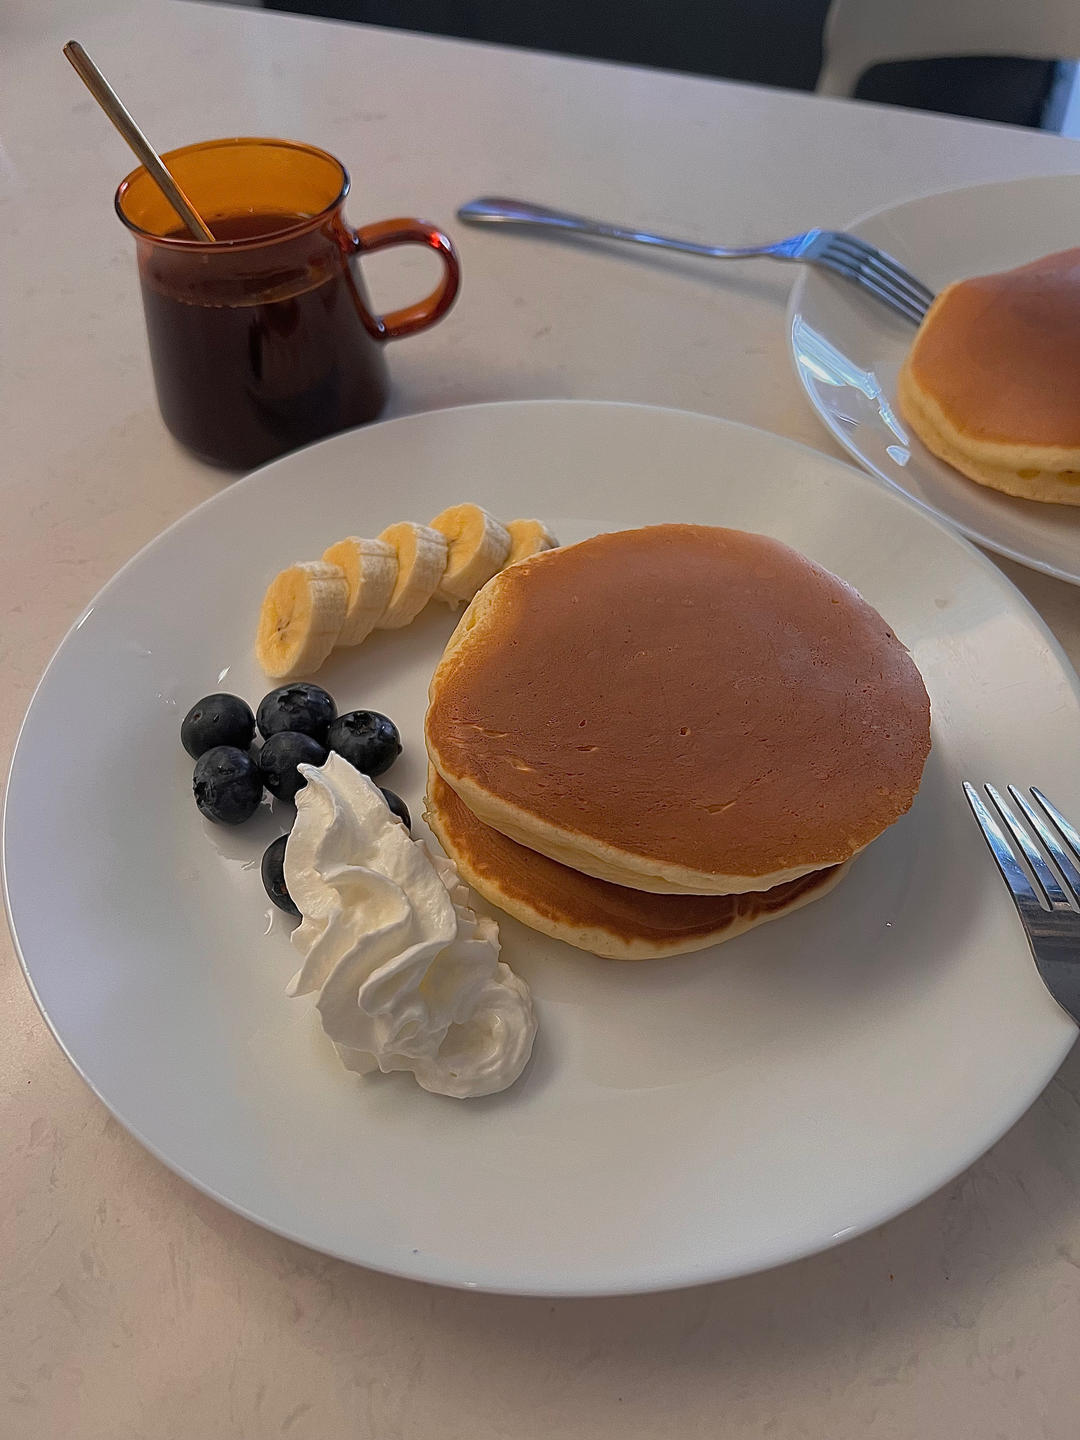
(882, 266)
(1009, 840)
(877, 272)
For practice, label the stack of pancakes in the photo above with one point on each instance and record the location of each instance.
(656, 739)
(992, 382)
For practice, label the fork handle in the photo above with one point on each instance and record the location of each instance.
(497, 210)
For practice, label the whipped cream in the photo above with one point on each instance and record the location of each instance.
(408, 976)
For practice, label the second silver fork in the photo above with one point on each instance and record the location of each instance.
(835, 250)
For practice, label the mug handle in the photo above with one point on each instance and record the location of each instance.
(411, 319)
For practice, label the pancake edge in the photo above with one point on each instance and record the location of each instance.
(600, 942)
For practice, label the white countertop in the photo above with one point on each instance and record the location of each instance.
(132, 1306)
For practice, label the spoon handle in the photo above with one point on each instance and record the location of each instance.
(117, 112)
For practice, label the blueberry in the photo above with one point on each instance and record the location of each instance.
(217, 720)
(279, 757)
(366, 739)
(397, 807)
(227, 785)
(302, 707)
(273, 876)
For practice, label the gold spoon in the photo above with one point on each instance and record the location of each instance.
(117, 112)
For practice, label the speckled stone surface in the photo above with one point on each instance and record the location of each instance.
(131, 1307)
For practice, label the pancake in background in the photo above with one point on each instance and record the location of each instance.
(992, 382)
(679, 709)
(592, 914)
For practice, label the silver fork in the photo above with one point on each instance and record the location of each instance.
(1049, 912)
(835, 250)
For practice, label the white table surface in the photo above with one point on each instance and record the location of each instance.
(130, 1305)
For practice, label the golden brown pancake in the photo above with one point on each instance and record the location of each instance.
(679, 709)
(592, 914)
(992, 382)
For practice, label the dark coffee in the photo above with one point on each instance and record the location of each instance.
(253, 359)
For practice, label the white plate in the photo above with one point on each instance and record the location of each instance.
(848, 350)
(681, 1120)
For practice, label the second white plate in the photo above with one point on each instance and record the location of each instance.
(681, 1120)
(848, 350)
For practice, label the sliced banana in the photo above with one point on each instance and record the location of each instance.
(370, 568)
(528, 537)
(478, 546)
(301, 618)
(421, 560)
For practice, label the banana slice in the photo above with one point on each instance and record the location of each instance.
(301, 618)
(370, 568)
(528, 537)
(421, 560)
(478, 547)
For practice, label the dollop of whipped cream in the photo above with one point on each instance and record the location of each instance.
(409, 977)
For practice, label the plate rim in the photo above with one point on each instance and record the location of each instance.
(793, 314)
(645, 1279)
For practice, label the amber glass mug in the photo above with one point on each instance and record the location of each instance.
(265, 339)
